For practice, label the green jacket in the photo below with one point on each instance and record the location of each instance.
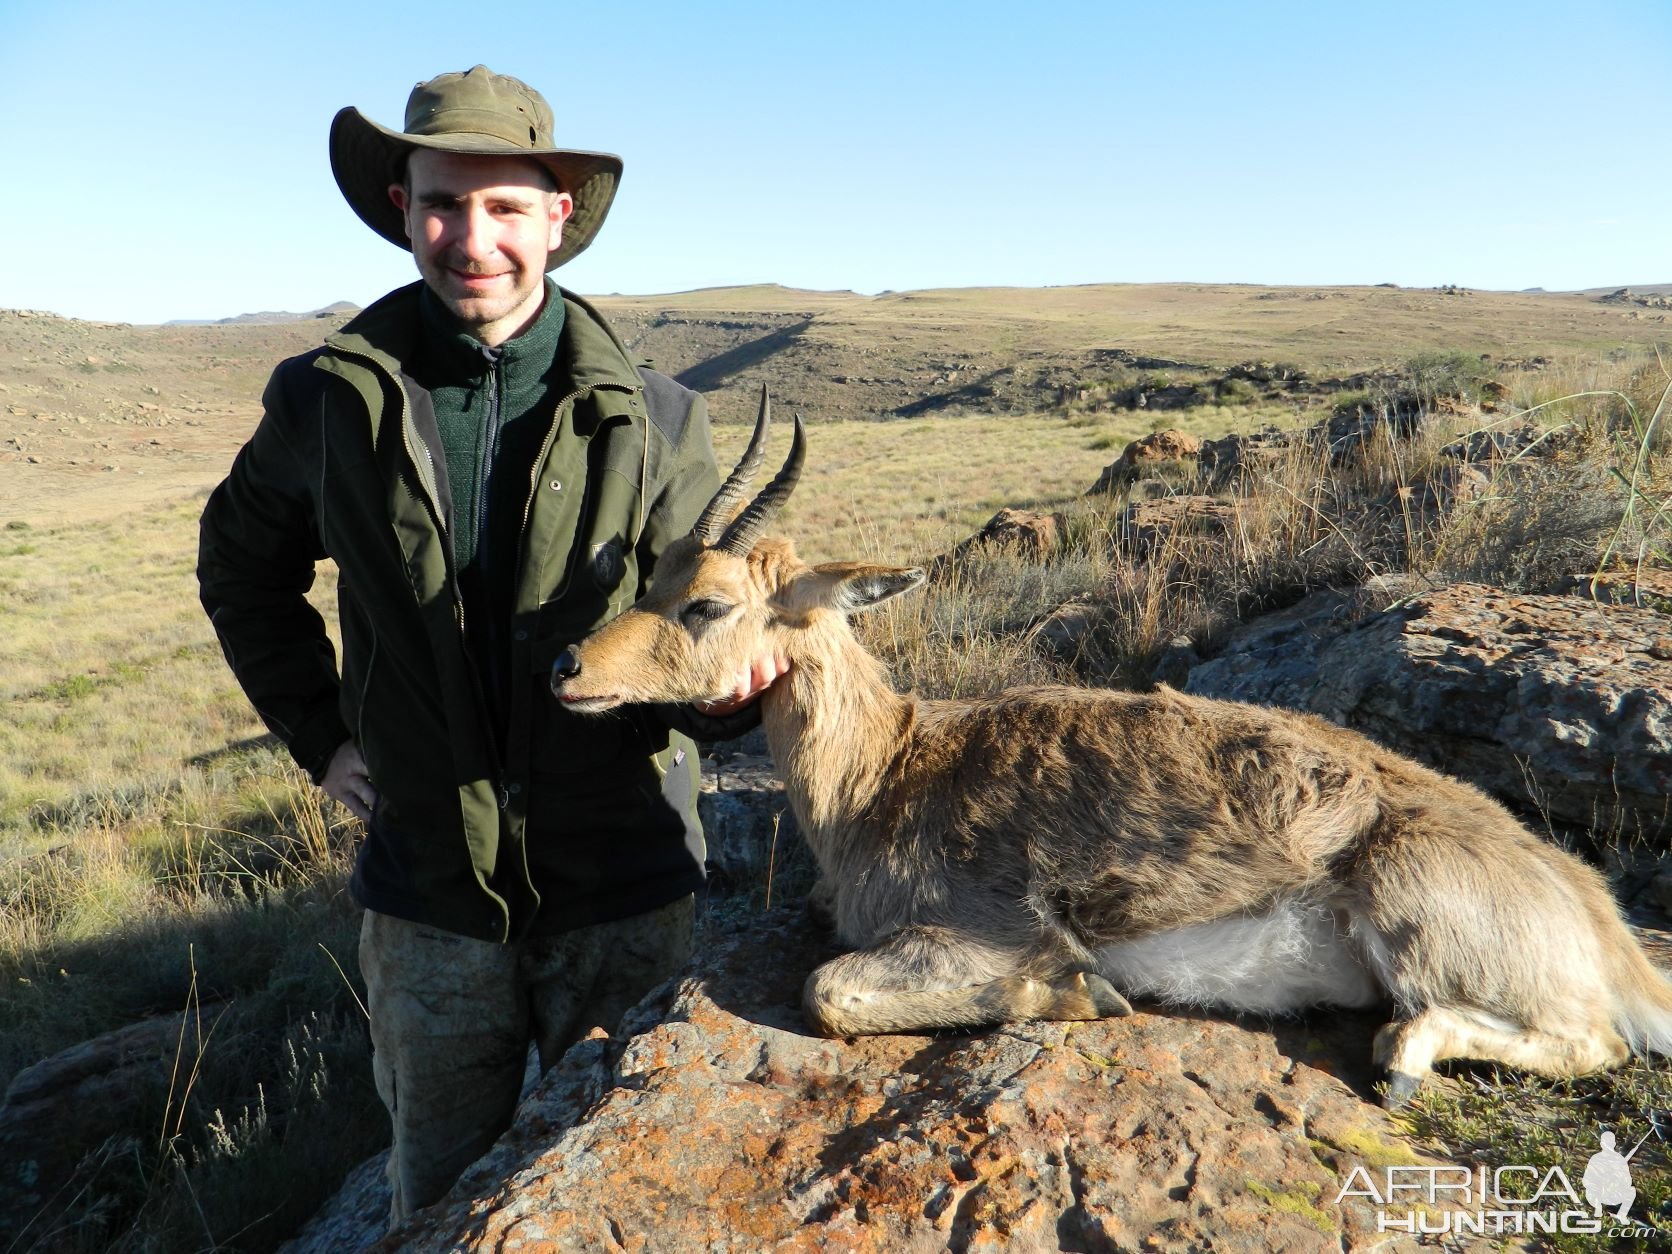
(578, 819)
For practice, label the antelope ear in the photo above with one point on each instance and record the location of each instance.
(850, 586)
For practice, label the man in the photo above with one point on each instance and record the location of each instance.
(493, 477)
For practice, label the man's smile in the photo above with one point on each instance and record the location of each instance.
(471, 279)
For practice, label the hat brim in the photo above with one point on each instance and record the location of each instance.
(366, 158)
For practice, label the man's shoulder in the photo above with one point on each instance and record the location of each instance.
(295, 378)
(383, 330)
(597, 353)
(670, 404)
(388, 327)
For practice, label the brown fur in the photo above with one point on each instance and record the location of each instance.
(1006, 858)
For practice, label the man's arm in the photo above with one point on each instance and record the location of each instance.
(257, 545)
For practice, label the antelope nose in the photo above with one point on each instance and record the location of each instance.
(567, 666)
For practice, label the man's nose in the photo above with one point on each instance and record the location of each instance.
(477, 238)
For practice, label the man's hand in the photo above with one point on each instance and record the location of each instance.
(751, 681)
(346, 781)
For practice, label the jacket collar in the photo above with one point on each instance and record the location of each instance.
(453, 355)
(390, 332)
(596, 356)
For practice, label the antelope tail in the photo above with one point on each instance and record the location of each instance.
(1642, 998)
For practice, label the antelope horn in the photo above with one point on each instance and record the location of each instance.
(746, 528)
(719, 510)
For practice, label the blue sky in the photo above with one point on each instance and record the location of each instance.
(168, 160)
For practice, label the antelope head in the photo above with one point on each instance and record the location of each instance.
(723, 595)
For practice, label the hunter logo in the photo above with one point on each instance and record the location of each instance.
(606, 563)
(1505, 1201)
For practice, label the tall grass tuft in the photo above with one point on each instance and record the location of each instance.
(239, 930)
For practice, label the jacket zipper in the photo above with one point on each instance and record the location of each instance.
(490, 447)
(427, 481)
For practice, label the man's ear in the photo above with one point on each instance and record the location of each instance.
(563, 204)
(399, 195)
(849, 586)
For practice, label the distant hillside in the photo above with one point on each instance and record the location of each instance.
(341, 308)
(838, 355)
(1631, 289)
(96, 415)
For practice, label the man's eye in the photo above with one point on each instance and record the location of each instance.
(705, 611)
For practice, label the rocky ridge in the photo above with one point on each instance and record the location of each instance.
(714, 1121)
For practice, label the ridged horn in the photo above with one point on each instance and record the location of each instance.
(740, 537)
(719, 510)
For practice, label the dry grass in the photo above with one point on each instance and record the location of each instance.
(110, 678)
(909, 489)
(220, 905)
(155, 846)
(1302, 522)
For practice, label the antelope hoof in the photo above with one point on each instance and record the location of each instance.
(1105, 996)
(1400, 1088)
(1087, 995)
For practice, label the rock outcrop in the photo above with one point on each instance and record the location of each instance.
(1143, 454)
(58, 1110)
(715, 1122)
(1146, 526)
(1031, 534)
(746, 819)
(1557, 704)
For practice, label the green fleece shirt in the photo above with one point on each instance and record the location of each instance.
(493, 408)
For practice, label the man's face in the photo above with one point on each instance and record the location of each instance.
(482, 228)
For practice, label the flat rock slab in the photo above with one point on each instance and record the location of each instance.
(1557, 704)
(716, 1122)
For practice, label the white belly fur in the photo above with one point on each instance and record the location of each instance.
(1296, 955)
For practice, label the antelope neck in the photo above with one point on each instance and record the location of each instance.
(835, 727)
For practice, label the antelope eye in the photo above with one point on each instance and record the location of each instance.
(705, 611)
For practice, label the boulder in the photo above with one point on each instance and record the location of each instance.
(1145, 526)
(714, 1121)
(1063, 632)
(58, 1110)
(1142, 454)
(1556, 704)
(1233, 458)
(746, 819)
(1429, 496)
(1501, 442)
(1032, 535)
(1648, 586)
(355, 1219)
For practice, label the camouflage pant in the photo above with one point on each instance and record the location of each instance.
(452, 1017)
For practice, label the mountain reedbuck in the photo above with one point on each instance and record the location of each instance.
(1039, 853)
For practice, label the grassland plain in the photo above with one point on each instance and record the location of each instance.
(160, 857)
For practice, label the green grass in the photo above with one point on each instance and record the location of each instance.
(1499, 1118)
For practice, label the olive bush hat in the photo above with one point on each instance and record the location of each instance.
(476, 112)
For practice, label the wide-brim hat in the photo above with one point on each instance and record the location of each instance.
(477, 112)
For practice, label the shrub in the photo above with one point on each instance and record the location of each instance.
(1235, 392)
(1432, 377)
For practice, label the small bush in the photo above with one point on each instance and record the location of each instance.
(1432, 377)
(1235, 392)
